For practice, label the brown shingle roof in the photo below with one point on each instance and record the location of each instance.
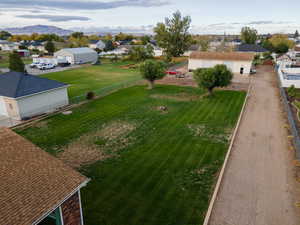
(237, 56)
(32, 182)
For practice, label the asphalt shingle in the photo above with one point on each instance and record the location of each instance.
(32, 181)
(16, 84)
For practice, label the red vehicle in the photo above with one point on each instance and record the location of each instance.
(172, 72)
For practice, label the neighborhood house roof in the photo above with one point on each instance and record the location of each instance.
(36, 43)
(33, 183)
(236, 56)
(250, 48)
(78, 50)
(16, 84)
(94, 41)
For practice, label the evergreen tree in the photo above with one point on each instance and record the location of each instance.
(50, 47)
(16, 63)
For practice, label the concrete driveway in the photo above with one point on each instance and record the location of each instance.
(35, 71)
(8, 122)
(259, 185)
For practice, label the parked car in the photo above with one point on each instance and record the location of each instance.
(64, 64)
(34, 65)
(172, 72)
(253, 71)
(46, 66)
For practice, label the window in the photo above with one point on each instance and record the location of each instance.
(53, 219)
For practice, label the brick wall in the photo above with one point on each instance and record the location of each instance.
(71, 211)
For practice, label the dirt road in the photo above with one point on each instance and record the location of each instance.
(259, 185)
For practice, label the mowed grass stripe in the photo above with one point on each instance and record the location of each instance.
(158, 168)
(149, 183)
(142, 163)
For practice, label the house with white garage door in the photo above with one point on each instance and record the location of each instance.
(237, 62)
(78, 55)
(23, 95)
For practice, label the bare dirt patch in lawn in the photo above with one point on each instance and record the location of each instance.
(178, 81)
(178, 97)
(99, 145)
(201, 130)
(41, 124)
(238, 83)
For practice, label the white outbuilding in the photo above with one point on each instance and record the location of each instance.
(237, 62)
(23, 95)
(78, 55)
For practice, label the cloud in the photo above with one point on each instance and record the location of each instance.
(53, 18)
(267, 22)
(80, 4)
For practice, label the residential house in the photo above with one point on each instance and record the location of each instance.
(23, 95)
(23, 52)
(36, 188)
(78, 55)
(252, 48)
(295, 52)
(8, 46)
(97, 44)
(237, 62)
(37, 45)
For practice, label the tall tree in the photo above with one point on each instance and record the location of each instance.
(4, 35)
(173, 35)
(77, 35)
(204, 44)
(109, 46)
(281, 43)
(141, 53)
(152, 70)
(15, 63)
(210, 78)
(50, 47)
(145, 39)
(249, 35)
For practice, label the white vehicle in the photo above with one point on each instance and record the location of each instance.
(46, 66)
(33, 65)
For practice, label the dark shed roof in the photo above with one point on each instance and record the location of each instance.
(16, 84)
(250, 48)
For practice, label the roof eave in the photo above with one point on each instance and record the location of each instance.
(83, 184)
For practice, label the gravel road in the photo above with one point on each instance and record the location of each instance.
(259, 185)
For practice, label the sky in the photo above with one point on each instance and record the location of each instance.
(208, 16)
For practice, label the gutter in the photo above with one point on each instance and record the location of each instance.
(41, 92)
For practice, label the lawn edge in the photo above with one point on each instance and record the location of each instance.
(224, 166)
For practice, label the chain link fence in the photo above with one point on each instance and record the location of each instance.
(107, 90)
(291, 119)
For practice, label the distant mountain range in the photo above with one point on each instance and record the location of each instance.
(40, 29)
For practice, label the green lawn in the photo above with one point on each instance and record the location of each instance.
(96, 78)
(159, 166)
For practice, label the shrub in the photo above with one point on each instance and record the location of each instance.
(210, 78)
(291, 91)
(90, 95)
(152, 70)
